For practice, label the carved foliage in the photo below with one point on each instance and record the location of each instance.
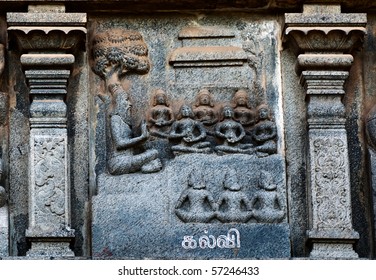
(118, 51)
(49, 181)
(330, 184)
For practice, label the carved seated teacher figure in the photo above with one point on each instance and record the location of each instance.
(160, 114)
(266, 203)
(233, 204)
(123, 160)
(204, 108)
(265, 133)
(231, 132)
(189, 133)
(242, 112)
(196, 204)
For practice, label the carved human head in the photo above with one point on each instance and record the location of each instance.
(241, 98)
(121, 105)
(196, 180)
(263, 112)
(266, 181)
(231, 180)
(227, 112)
(204, 97)
(160, 98)
(186, 111)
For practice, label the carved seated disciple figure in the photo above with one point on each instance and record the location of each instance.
(267, 206)
(123, 159)
(204, 108)
(231, 132)
(242, 112)
(196, 204)
(233, 204)
(189, 133)
(264, 133)
(160, 114)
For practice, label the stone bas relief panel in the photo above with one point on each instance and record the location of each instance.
(190, 158)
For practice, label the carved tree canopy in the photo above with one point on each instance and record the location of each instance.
(117, 52)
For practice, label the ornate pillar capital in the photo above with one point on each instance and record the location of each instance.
(46, 29)
(323, 29)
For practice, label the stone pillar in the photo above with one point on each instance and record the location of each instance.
(323, 39)
(4, 211)
(47, 38)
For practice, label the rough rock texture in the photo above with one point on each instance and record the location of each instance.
(134, 216)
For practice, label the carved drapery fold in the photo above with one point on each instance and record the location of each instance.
(323, 40)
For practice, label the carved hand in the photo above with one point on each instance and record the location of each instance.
(144, 129)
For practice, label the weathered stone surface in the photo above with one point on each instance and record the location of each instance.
(47, 59)
(46, 18)
(132, 211)
(4, 231)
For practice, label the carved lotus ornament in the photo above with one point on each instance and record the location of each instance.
(49, 38)
(325, 39)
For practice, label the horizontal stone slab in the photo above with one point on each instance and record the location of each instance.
(47, 59)
(196, 241)
(192, 32)
(205, 56)
(163, 5)
(78, 19)
(324, 62)
(324, 19)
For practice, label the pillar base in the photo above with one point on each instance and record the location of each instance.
(329, 250)
(333, 243)
(50, 249)
(51, 246)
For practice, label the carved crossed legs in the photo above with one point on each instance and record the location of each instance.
(200, 147)
(147, 162)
